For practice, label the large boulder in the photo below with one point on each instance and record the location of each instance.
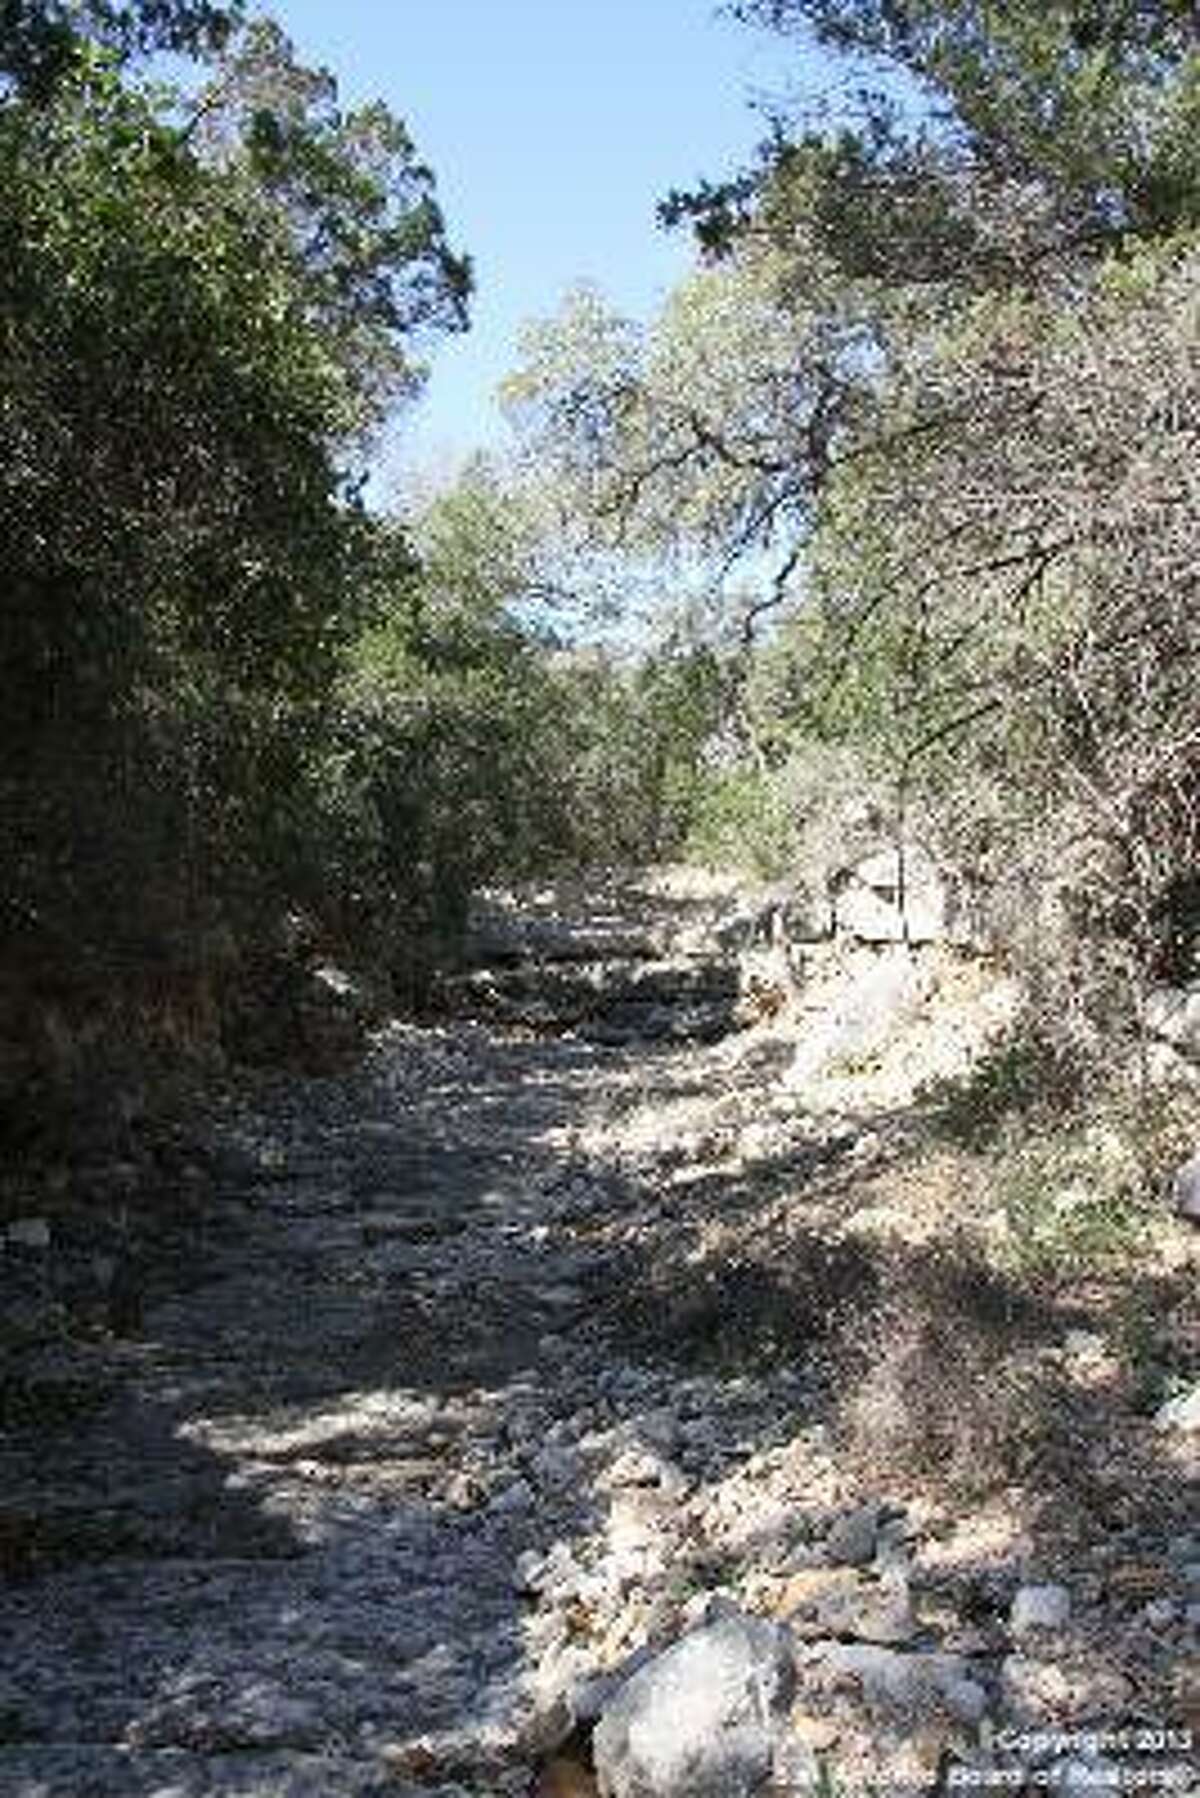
(788, 912)
(1173, 1014)
(702, 1719)
(895, 895)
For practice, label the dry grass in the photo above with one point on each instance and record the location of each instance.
(947, 1385)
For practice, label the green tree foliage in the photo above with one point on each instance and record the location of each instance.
(988, 138)
(706, 438)
(937, 361)
(635, 734)
(438, 771)
(351, 206)
(468, 747)
(40, 39)
(191, 352)
(1012, 590)
(997, 564)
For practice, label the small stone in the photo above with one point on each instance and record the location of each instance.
(907, 1684)
(881, 1613)
(1033, 1691)
(513, 1499)
(461, 1492)
(966, 1700)
(817, 1733)
(555, 1467)
(1039, 1607)
(528, 1572)
(557, 1298)
(638, 1518)
(660, 1429)
(636, 1467)
(1159, 1613)
(1185, 1190)
(1083, 1344)
(1182, 1413)
(851, 1541)
(30, 1233)
(803, 1591)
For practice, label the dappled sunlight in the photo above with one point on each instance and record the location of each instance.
(519, 1354)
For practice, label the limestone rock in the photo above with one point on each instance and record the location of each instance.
(575, 1703)
(851, 1541)
(1039, 1607)
(882, 1614)
(1182, 1413)
(1173, 1013)
(911, 1685)
(701, 1719)
(798, 1596)
(1185, 1190)
(1033, 1692)
(892, 896)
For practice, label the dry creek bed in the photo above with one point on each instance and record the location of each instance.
(468, 1375)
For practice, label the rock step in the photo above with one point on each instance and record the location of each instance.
(510, 942)
(628, 993)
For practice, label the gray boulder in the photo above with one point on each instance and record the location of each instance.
(1185, 1190)
(1180, 1413)
(1039, 1607)
(1173, 1014)
(851, 1541)
(893, 896)
(702, 1719)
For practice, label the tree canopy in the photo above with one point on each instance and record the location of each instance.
(40, 39)
(986, 140)
(204, 321)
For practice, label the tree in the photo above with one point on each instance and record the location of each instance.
(184, 554)
(1020, 578)
(708, 437)
(993, 137)
(445, 763)
(40, 39)
(997, 559)
(350, 205)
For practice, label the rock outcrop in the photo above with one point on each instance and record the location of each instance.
(895, 895)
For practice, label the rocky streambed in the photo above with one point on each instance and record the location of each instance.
(495, 1417)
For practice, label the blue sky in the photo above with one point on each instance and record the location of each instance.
(553, 127)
